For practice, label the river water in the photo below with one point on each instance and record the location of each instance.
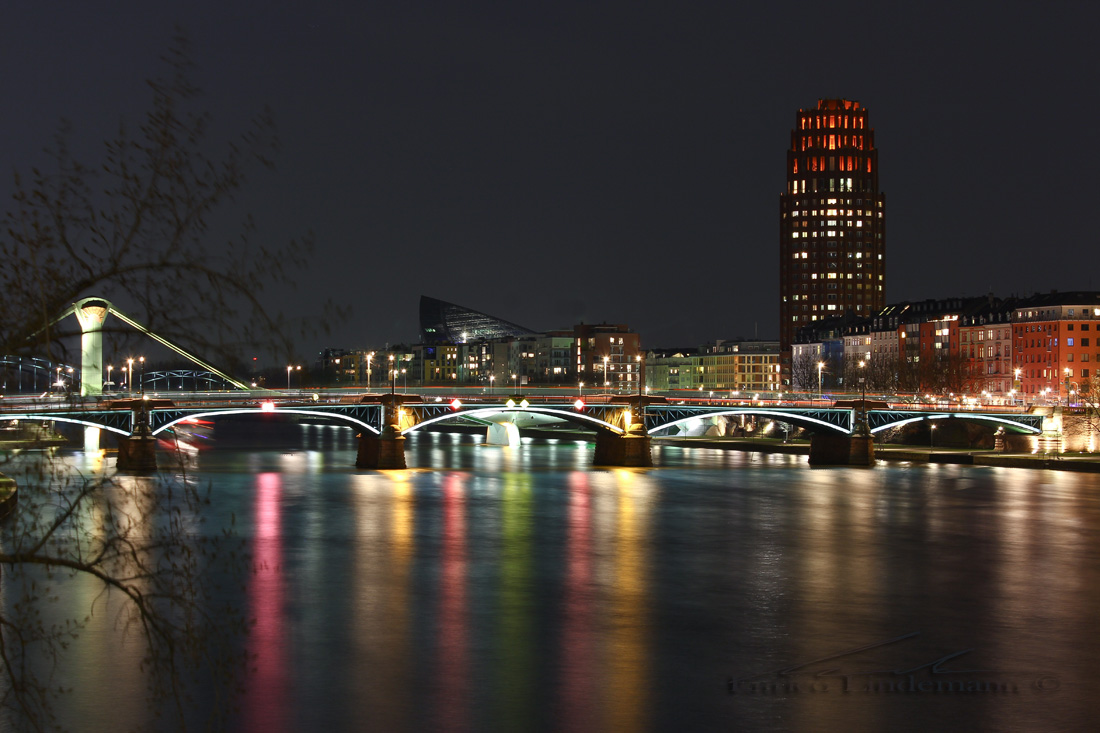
(493, 588)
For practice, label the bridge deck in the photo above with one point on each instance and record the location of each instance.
(118, 417)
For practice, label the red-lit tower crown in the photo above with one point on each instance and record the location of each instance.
(832, 250)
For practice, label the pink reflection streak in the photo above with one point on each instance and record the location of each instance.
(453, 623)
(267, 688)
(578, 672)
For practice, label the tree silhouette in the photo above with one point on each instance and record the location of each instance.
(134, 228)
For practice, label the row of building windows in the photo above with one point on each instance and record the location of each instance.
(832, 142)
(839, 185)
(832, 163)
(830, 122)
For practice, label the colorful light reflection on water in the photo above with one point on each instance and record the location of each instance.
(491, 588)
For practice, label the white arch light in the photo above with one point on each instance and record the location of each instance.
(785, 416)
(481, 412)
(960, 416)
(259, 411)
(72, 420)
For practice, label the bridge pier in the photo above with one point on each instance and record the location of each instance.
(842, 450)
(138, 452)
(502, 434)
(631, 449)
(383, 451)
(387, 449)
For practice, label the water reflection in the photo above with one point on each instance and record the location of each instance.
(506, 588)
(265, 704)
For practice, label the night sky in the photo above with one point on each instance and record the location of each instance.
(551, 163)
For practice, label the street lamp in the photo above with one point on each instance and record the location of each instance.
(109, 383)
(820, 392)
(404, 380)
(931, 437)
(581, 387)
(606, 381)
(370, 355)
(130, 375)
(492, 378)
(143, 376)
(515, 384)
(1069, 373)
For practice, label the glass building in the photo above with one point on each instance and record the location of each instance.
(443, 322)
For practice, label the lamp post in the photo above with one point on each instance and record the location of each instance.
(820, 392)
(142, 376)
(581, 389)
(109, 383)
(1069, 373)
(130, 375)
(515, 384)
(606, 381)
(492, 378)
(404, 380)
(370, 356)
(393, 380)
(931, 437)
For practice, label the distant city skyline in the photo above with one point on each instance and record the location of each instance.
(597, 163)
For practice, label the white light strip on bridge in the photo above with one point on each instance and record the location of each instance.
(746, 411)
(72, 420)
(259, 411)
(961, 416)
(498, 410)
(194, 359)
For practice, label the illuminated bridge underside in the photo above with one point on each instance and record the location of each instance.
(879, 420)
(609, 417)
(835, 420)
(593, 418)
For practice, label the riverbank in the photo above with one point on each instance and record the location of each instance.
(1087, 463)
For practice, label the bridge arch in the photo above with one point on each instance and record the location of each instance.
(215, 414)
(72, 421)
(1008, 423)
(805, 421)
(569, 416)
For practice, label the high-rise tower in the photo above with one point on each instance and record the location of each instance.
(832, 225)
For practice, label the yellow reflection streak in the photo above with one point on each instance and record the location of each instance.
(628, 678)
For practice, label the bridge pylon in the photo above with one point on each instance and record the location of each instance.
(91, 313)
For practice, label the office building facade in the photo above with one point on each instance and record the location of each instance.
(832, 221)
